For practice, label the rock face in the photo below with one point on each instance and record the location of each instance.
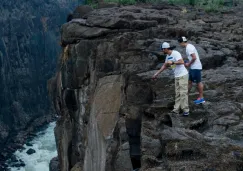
(28, 50)
(113, 117)
(54, 166)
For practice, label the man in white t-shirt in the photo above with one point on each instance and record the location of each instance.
(195, 66)
(175, 61)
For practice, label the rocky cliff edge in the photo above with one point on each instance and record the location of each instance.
(113, 117)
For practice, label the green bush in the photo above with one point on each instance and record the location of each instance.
(123, 2)
(213, 5)
(208, 5)
(178, 1)
(94, 4)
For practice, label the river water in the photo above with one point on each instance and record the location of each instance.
(45, 147)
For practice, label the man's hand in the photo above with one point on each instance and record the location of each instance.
(187, 65)
(169, 63)
(154, 76)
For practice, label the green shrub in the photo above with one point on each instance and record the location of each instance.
(212, 5)
(123, 2)
(208, 5)
(94, 4)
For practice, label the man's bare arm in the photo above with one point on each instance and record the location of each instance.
(160, 70)
(193, 59)
(179, 62)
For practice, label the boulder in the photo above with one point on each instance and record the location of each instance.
(81, 11)
(30, 151)
(54, 164)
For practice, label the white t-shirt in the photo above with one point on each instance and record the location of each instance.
(179, 70)
(190, 49)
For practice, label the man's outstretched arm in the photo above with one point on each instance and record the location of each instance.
(160, 70)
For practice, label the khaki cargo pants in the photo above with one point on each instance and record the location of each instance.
(181, 91)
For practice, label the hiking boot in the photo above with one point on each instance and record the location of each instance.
(185, 113)
(199, 101)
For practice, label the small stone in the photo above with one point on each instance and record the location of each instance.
(30, 151)
(14, 159)
(19, 164)
(29, 144)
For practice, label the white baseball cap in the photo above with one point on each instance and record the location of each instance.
(182, 39)
(165, 45)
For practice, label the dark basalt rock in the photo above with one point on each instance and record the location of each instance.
(113, 116)
(30, 151)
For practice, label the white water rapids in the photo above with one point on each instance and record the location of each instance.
(45, 147)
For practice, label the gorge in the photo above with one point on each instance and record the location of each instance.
(29, 47)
